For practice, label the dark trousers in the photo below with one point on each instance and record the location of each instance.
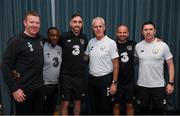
(100, 100)
(33, 105)
(50, 100)
(151, 100)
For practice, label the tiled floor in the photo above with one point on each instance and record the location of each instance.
(57, 112)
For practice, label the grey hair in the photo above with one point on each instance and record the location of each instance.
(98, 18)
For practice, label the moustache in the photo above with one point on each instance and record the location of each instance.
(77, 27)
(122, 36)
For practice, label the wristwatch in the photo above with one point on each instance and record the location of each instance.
(171, 83)
(114, 82)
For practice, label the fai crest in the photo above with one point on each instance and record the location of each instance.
(155, 51)
(82, 41)
(129, 48)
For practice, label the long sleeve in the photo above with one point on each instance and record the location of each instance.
(8, 64)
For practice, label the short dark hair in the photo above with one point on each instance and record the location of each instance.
(122, 25)
(31, 12)
(51, 28)
(76, 14)
(147, 23)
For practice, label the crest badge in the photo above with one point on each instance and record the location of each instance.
(155, 51)
(41, 43)
(82, 41)
(129, 48)
(30, 47)
(68, 41)
(102, 47)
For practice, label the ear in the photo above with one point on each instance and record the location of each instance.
(104, 27)
(24, 22)
(154, 32)
(70, 23)
(128, 34)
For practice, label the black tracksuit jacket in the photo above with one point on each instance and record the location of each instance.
(25, 55)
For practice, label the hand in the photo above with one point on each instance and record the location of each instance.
(113, 88)
(169, 89)
(19, 95)
(15, 74)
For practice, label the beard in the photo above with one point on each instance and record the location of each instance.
(76, 29)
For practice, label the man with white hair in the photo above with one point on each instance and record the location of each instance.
(103, 69)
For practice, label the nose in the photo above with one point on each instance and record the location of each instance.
(77, 23)
(53, 37)
(98, 27)
(35, 24)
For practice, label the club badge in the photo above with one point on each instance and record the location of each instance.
(68, 40)
(41, 43)
(30, 47)
(155, 51)
(102, 47)
(82, 41)
(129, 48)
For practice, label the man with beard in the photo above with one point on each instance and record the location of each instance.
(125, 91)
(73, 80)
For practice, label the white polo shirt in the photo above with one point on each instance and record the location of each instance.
(151, 59)
(101, 53)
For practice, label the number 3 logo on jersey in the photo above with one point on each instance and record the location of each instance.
(76, 50)
(56, 62)
(125, 57)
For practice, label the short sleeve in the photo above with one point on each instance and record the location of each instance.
(167, 52)
(114, 50)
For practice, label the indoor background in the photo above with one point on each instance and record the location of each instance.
(164, 13)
